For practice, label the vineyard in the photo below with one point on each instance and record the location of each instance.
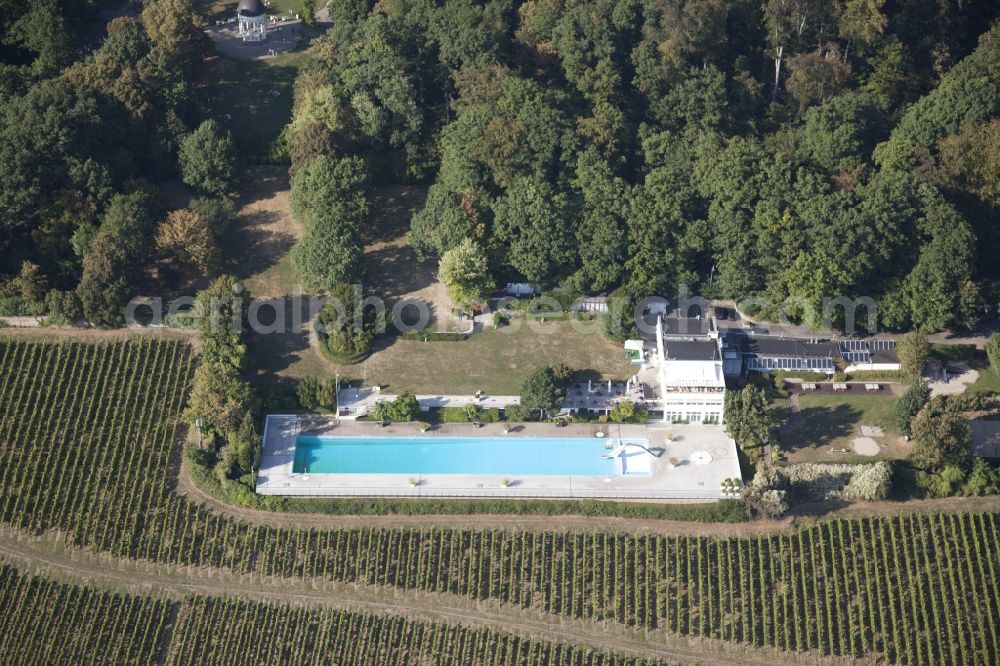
(89, 444)
(51, 623)
(226, 632)
(55, 623)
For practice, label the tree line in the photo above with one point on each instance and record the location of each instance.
(777, 150)
(85, 135)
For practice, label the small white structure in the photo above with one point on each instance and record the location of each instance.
(522, 289)
(252, 17)
(632, 460)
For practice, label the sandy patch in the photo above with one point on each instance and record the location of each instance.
(865, 446)
(871, 431)
(960, 376)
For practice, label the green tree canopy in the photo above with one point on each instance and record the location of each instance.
(541, 390)
(534, 222)
(940, 439)
(463, 269)
(206, 159)
(746, 416)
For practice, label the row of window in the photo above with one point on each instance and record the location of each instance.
(693, 417)
(758, 363)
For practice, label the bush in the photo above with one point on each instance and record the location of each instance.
(500, 319)
(782, 375)
(433, 336)
(517, 413)
(469, 413)
(953, 480)
(820, 482)
(404, 408)
(317, 394)
(993, 352)
(887, 375)
(909, 405)
(63, 308)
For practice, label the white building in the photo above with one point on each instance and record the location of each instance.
(681, 366)
(252, 18)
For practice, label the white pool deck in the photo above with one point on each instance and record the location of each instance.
(692, 478)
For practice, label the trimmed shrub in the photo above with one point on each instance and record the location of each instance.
(887, 375)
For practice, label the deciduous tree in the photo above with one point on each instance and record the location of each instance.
(207, 157)
(464, 271)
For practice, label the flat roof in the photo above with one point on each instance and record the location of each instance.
(786, 347)
(675, 326)
(691, 350)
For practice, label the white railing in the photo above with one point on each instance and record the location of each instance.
(494, 493)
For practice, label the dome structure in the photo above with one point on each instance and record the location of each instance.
(250, 8)
(252, 17)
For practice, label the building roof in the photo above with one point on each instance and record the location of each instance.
(790, 347)
(674, 326)
(250, 8)
(691, 350)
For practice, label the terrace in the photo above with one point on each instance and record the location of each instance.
(685, 463)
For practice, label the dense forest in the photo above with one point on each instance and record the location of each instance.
(791, 148)
(775, 150)
(95, 115)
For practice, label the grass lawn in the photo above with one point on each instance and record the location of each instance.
(258, 244)
(493, 360)
(253, 99)
(952, 353)
(214, 10)
(988, 380)
(833, 421)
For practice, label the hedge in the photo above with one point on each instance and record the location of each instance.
(888, 375)
(337, 358)
(458, 415)
(423, 336)
(782, 375)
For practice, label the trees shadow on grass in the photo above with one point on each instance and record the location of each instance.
(260, 248)
(273, 351)
(820, 426)
(394, 272)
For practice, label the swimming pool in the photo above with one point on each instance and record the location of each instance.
(549, 456)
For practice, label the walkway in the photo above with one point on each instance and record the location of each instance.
(359, 401)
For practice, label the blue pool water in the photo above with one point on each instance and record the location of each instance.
(554, 456)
